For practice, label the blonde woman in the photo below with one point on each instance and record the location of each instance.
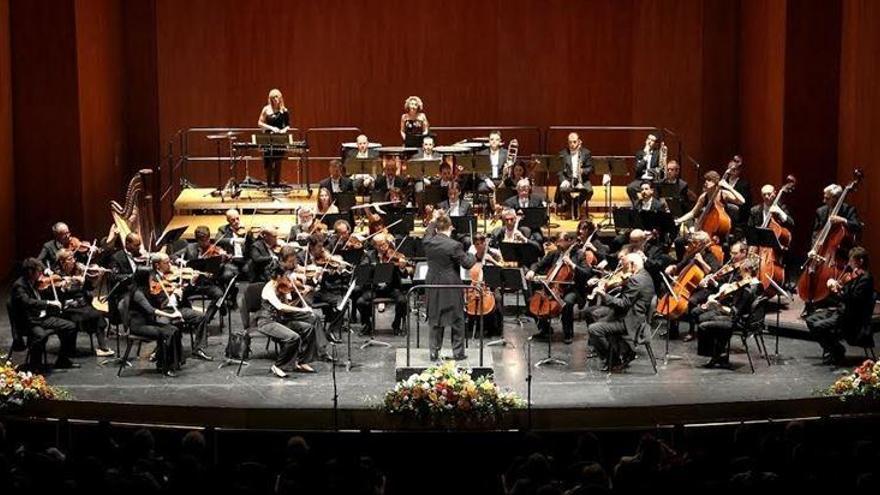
(274, 118)
(413, 123)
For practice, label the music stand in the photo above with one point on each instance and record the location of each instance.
(426, 167)
(547, 164)
(404, 226)
(433, 194)
(534, 218)
(762, 237)
(170, 237)
(497, 279)
(352, 256)
(371, 276)
(662, 221)
(412, 247)
(626, 218)
(330, 220)
(364, 166)
(667, 190)
(502, 194)
(464, 225)
(377, 196)
(270, 144)
(610, 166)
(345, 200)
(676, 206)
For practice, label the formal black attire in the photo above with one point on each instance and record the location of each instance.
(143, 322)
(849, 319)
(392, 290)
(262, 258)
(445, 306)
(580, 182)
(630, 310)
(294, 331)
(272, 157)
(496, 168)
(644, 163)
(715, 327)
(413, 130)
(344, 184)
(573, 295)
(37, 320)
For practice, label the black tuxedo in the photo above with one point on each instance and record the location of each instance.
(573, 295)
(581, 183)
(261, 261)
(464, 208)
(502, 158)
(654, 204)
(645, 162)
(382, 184)
(351, 154)
(38, 320)
(756, 217)
(345, 184)
(849, 319)
(847, 211)
(513, 202)
(715, 328)
(49, 253)
(630, 309)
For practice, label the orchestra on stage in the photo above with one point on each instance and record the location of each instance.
(474, 223)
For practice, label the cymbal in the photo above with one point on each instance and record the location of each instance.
(226, 135)
(452, 149)
(471, 144)
(353, 145)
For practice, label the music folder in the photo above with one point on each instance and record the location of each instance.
(464, 225)
(760, 237)
(533, 217)
(483, 165)
(422, 167)
(524, 253)
(662, 221)
(208, 265)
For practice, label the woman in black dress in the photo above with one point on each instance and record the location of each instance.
(413, 123)
(274, 118)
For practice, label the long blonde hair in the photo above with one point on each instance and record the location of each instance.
(277, 92)
(415, 99)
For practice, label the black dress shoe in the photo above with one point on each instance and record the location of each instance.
(200, 354)
(568, 339)
(327, 358)
(541, 336)
(460, 357)
(169, 373)
(66, 365)
(433, 357)
(628, 359)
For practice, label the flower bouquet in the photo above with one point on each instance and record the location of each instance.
(447, 393)
(18, 387)
(864, 381)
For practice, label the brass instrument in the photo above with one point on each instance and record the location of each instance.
(664, 158)
(512, 153)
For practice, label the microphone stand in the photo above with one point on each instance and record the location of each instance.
(529, 381)
(779, 293)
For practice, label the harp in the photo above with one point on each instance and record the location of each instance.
(136, 215)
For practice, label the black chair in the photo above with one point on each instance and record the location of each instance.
(752, 324)
(252, 301)
(130, 339)
(645, 333)
(16, 325)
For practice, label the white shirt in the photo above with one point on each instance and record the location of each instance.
(495, 160)
(575, 165)
(334, 185)
(454, 208)
(523, 203)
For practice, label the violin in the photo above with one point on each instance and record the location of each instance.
(46, 281)
(75, 245)
(353, 242)
(164, 285)
(212, 251)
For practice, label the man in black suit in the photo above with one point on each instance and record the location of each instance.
(647, 163)
(262, 255)
(38, 318)
(846, 215)
(850, 318)
(577, 165)
(336, 182)
(682, 193)
(60, 238)
(427, 152)
(760, 213)
(301, 231)
(362, 149)
(210, 287)
(629, 311)
(445, 306)
(523, 198)
(647, 201)
(497, 163)
(124, 262)
(389, 178)
(233, 238)
(509, 231)
(361, 152)
(455, 206)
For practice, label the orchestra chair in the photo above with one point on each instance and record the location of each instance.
(752, 324)
(645, 333)
(130, 339)
(252, 302)
(16, 325)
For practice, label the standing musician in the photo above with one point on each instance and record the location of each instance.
(75, 293)
(646, 199)
(498, 162)
(331, 282)
(760, 213)
(414, 123)
(647, 165)
(493, 322)
(150, 315)
(572, 293)
(39, 317)
(274, 118)
(286, 318)
(169, 293)
(847, 213)
(850, 316)
(577, 165)
(384, 252)
(716, 320)
(262, 254)
(627, 313)
(445, 306)
(324, 203)
(336, 182)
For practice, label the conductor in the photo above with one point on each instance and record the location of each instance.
(445, 306)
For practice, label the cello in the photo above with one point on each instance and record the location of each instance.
(673, 306)
(546, 303)
(771, 268)
(479, 300)
(823, 262)
(714, 219)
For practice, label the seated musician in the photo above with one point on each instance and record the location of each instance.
(301, 231)
(427, 152)
(647, 166)
(573, 293)
(647, 200)
(151, 316)
(716, 321)
(213, 286)
(446, 177)
(498, 163)
(39, 316)
(124, 262)
(286, 318)
(235, 240)
(705, 255)
(262, 254)
(577, 165)
(493, 322)
(638, 238)
(847, 214)
(336, 182)
(331, 281)
(849, 315)
(712, 181)
(523, 198)
(673, 176)
(510, 231)
(75, 294)
(384, 252)
(341, 238)
(324, 204)
(585, 230)
(518, 172)
(390, 178)
(174, 298)
(455, 205)
(739, 213)
(362, 149)
(627, 312)
(726, 273)
(60, 240)
(766, 209)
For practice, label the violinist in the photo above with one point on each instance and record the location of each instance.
(76, 296)
(124, 262)
(331, 282)
(336, 182)
(324, 204)
(210, 287)
(61, 239)
(384, 252)
(39, 317)
(712, 181)
(286, 318)
(638, 238)
(577, 165)
(626, 314)
(850, 315)
(710, 284)
(493, 322)
(717, 319)
(232, 237)
(152, 317)
(262, 254)
(700, 249)
(167, 293)
(572, 294)
(341, 239)
(305, 226)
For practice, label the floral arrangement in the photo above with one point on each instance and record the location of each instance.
(446, 393)
(18, 387)
(864, 381)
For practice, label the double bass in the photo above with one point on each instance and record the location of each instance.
(824, 262)
(771, 267)
(714, 219)
(673, 306)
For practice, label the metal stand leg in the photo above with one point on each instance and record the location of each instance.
(371, 342)
(549, 359)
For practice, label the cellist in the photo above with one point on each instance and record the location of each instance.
(847, 214)
(759, 213)
(492, 322)
(572, 294)
(706, 256)
(772, 259)
(712, 181)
